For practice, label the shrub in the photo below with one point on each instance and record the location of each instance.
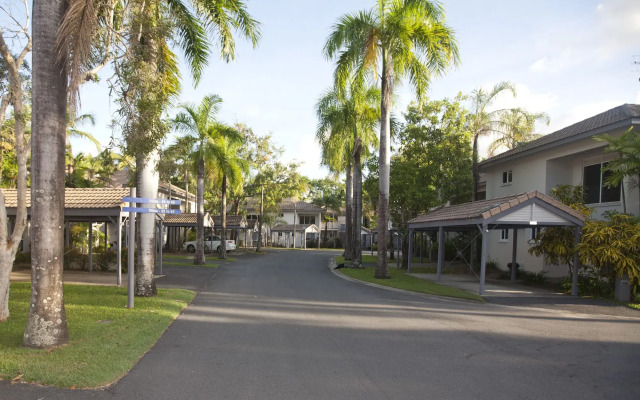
(590, 283)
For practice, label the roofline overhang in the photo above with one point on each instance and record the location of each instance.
(630, 122)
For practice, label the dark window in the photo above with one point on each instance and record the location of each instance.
(504, 234)
(307, 220)
(593, 182)
(507, 177)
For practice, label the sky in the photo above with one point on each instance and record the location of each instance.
(571, 59)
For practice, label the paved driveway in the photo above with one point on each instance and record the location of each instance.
(284, 327)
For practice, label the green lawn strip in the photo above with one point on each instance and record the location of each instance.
(366, 259)
(209, 264)
(400, 280)
(106, 338)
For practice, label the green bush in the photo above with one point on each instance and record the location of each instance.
(23, 257)
(532, 278)
(590, 284)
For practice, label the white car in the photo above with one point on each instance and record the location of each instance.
(210, 243)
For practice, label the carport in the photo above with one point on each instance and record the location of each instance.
(290, 231)
(92, 205)
(512, 212)
(178, 224)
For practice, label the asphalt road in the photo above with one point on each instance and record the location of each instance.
(282, 326)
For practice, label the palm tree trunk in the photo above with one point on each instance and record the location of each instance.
(223, 217)
(384, 168)
(199, 257)
(147, 180)
(475, 169)
(357, 208)
(348, 242)
(47, 321)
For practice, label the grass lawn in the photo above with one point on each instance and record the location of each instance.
(366, 259)
(106, 338)
(400, 280)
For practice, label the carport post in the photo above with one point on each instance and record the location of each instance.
(410, 250)
(574, 283)
(514, 254)
(119, 262)
(483, 259)
(440, 252)
(131, 251)
(90, 246)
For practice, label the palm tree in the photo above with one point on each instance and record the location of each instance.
(222, 158)
(484, 122)
(518, 129)
(47, 323)
(350, 118)
(396, 39)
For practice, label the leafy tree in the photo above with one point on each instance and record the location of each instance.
(518, 129)
(433, 165)
(557, 244)
(396, 39)
(612, 246)
(13, 94)
(627, 165)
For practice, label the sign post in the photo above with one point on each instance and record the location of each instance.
(132, 210)
(132, 251)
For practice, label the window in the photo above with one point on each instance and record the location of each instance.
(593, 181)
(507, 177)
(534, 232)
(307, 219)
(504, 235)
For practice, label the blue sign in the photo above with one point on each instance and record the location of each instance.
(151, 201)
(151, 210)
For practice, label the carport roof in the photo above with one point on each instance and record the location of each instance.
(519, 209)
(186, 220)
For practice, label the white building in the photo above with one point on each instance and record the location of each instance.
(568, 156)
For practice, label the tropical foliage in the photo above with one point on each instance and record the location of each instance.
(393, 40)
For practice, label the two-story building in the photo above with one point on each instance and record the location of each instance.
(567, 156)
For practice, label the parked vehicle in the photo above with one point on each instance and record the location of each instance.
(210, 243)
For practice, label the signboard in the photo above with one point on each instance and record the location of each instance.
(151, 201)
(151, 210)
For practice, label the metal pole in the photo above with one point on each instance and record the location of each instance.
(483, 260)
(161, 242)
(574, 283)
(294, 224)
(119, 249)
(90, 246)
(132, 249)
(514, 254)
(440, 252)
(410, 250)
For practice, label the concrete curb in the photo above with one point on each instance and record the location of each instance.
(332, 265)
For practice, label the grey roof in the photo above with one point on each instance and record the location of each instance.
(233, 221)
(253, 204)
(485, 209)
(77, 197)
(187, 220)
(617, 117)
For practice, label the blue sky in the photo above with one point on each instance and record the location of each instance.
(571, 59)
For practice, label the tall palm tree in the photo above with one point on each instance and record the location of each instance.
(47, 323)
(483, 122)
(395, 39)
(223, 159)
(518, 129)
(350, 118)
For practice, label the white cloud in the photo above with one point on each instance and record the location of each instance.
(638, 98)
(306, 151)
(581, 112)
(619, 23)
(526, 99)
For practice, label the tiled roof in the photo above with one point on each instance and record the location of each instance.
(232, 221)
(190, 219)
(484, 209)
(289, 228)
(77, 197)
(589, 127)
